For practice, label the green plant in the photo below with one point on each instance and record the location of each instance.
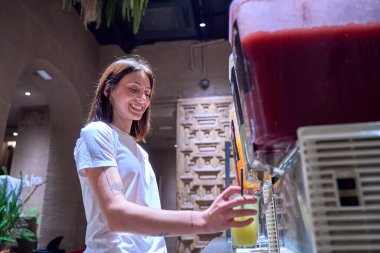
(91, 10)
(11, 225)
(33, 212)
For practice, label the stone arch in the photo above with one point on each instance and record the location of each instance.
(62, 211)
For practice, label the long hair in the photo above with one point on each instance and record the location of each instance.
(101, 107)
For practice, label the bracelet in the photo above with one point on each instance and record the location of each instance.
(191, 218)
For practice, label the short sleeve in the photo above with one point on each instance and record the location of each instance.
(95, 148)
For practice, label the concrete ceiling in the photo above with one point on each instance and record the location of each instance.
(167, 20)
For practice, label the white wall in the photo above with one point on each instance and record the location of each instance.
(175, 76)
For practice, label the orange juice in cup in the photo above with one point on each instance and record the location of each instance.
(245, 237)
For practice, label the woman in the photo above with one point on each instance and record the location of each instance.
(119, 188)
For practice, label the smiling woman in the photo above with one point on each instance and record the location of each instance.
(135, 75)
(119, 188)
(129, 99)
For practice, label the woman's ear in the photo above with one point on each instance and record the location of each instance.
(107, 90)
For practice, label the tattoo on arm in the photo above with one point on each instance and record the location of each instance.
(116, 187)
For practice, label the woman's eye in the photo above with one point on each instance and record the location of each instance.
(133, 90)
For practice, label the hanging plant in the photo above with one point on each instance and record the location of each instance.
(91, 10)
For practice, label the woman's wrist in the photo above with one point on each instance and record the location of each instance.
(198, 221)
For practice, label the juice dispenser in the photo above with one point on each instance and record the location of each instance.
(302, 70)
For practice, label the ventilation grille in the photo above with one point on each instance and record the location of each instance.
(341, 167)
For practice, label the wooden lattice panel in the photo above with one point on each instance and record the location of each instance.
(202, 129)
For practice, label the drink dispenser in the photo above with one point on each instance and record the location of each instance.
(297, 64)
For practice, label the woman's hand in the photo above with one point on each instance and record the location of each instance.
(220, 215)
(124, 216)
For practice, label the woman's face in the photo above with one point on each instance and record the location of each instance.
(130, 99)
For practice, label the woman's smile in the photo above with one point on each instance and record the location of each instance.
(137, 107)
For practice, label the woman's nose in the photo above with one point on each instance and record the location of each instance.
(143, 97)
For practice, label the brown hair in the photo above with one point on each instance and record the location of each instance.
(101, 108)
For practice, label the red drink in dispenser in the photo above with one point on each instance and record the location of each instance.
(299, 63)
(307, 63)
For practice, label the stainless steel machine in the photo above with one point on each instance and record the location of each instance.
(305, 77)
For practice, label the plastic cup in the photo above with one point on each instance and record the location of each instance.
(246, 237)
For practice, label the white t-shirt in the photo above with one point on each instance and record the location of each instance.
(103, 145)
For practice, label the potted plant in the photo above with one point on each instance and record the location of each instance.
(12, 227)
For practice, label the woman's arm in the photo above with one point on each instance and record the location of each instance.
(124, 216)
